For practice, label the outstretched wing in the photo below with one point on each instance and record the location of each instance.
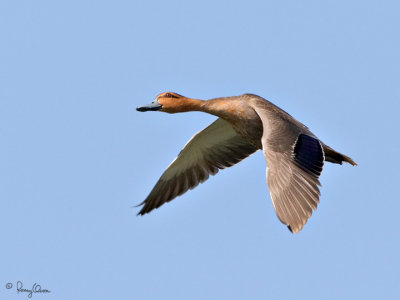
(292, 179)
(294, 159)
(218, 146)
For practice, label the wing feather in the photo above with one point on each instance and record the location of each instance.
(218, 146)
(294, 159)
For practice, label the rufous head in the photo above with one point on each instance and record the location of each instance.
(167, 102)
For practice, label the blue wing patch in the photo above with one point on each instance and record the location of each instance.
(308, 154)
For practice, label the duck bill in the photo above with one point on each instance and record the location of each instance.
(153, 106)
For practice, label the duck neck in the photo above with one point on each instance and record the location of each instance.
(185, 105)
(219, 107)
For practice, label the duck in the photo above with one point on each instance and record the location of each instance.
(246, 123)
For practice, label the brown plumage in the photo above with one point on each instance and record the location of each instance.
(245, 124)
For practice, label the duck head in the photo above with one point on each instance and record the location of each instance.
(169, 102)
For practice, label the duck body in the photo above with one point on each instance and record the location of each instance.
(245, 124)
(239, 112)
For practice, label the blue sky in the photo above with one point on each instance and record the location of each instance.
(75, 156)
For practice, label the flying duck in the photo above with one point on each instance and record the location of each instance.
(245, 124)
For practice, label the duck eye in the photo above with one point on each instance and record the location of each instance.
(170, 95)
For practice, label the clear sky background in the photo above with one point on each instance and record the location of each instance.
(75, 156)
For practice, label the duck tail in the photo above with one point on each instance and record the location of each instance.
(336, 157)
